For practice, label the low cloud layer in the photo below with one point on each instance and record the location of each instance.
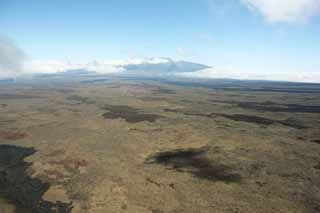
(53, 66)
(13, 64)
(285, 10)
(307, 77)
(11, 58)
(154, 67)
(99, 66)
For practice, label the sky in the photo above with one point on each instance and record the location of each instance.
(245, 37)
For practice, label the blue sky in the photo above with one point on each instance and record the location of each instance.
(232, 34)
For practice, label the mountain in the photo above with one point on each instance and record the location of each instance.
(131, 67)
(167, 66)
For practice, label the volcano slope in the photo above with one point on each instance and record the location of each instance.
(130, 145)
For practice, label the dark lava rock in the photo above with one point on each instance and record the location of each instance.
(269, 106)
(17, 186)
(258, 120)
(130, 114)
(243, 118)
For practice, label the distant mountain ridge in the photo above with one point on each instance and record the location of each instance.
(168, 66)
(144, 67)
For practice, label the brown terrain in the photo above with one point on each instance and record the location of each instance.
(115, 145)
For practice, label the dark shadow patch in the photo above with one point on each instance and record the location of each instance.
(317, 166)
(316, 141)
(17, 186)
(129, 114)
(195, 162)
(269, 106)
(12, 135)
(242, 118)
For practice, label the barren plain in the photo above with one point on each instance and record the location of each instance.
(99, 145)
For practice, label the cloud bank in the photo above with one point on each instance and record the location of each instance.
(13, 63)
(54, 66)
(153, 67)
(156, 66)
(98, 66)
(11, 58)
(307, 77)
(285, 10)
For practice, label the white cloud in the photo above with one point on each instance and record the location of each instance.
(13, 63)
(285, 10)
(47, 66)
(11, 58)
(99, 66)
(116, 66)
(308, 77)
(53, 66)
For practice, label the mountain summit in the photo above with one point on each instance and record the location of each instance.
(163, 66)
(147, 66)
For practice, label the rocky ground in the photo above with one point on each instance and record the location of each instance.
(156, 146)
